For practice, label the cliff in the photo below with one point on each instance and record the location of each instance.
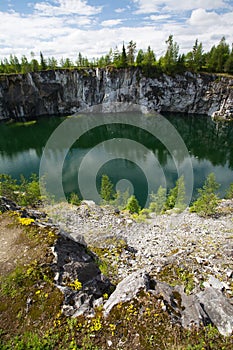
(68, 91)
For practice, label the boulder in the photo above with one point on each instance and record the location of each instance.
(127, 289)
(218, 309)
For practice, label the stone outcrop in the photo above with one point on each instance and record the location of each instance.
(208, 302)
(208, 307)
(66, 92)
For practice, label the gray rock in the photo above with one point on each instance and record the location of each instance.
(191, 311)
(70, 91)
(218, 309)
(214, 282)
(127, 289)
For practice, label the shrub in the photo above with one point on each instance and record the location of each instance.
(121, 199)
(176, 196)
(133, 205)
(106, 190)
(229, 192)
(158, 200)
(207, 201)
(25, 192)
(74, 199)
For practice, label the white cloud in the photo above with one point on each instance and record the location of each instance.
(151, 6)
(120, 10)
(66, 35)
(111, 22)
(201, 17)
(66, 7)
(159, 17)
(147, 6)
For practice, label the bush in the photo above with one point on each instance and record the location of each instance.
(133, 205)
(158, 200)
(176, 196)
(106, 190)
(121, 199)
(207, 201)
(74, 199)
(25, 192)
(8, 187)
(29, 191)
(229, 192)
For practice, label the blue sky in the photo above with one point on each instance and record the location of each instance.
(62, 28)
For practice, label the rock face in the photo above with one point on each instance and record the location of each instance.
(66, 92)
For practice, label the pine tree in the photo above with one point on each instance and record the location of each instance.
(158, 200)
(106, 190)
(133, 205)
(176, 196)
(207, 200)
(123, 60)
(131, 48)
(43, 65)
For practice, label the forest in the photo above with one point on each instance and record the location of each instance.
(218, 60)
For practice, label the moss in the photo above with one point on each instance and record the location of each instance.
(32, 317)
(174, 275)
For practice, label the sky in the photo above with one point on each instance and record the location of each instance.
(63, 28)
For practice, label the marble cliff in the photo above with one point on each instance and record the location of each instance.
(66, 92)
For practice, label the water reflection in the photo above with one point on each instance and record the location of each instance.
(210, 146)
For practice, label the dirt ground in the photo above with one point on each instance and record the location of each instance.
(14, 245)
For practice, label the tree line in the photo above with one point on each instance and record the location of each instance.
(26, 192)
(218, 60)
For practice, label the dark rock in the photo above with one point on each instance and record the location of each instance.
(7, 204)
(73, 262)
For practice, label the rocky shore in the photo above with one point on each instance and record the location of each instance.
(183, 259)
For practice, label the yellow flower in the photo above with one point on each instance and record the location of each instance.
(76, 285)
(105, 296)
(26, 221)
(112, 328)
(96, 325)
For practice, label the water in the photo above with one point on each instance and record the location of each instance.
(132, 157)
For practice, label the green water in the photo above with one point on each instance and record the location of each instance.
(210, 147)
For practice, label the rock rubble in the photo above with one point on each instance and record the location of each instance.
(183, 259)
(201, 247)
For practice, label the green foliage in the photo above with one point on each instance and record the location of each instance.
(25, 192)
(229, 192)
(29, 191)
(207, 200)
(218, 56)
(131, 48)
(195, 59)
(176, 196)
(218, 59)
(121, 199)
(157, 201)
(106, 190)
(74, 199)
(133, 205)
(8, 187)
(171, 62)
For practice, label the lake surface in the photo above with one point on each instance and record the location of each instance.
(132, 157)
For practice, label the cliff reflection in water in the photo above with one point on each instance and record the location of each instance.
(210, 146)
